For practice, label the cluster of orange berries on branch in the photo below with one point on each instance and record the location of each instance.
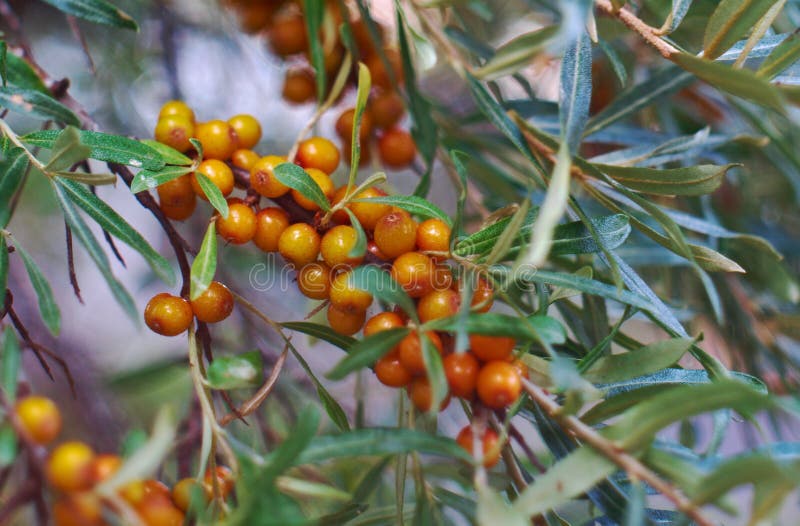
(170, 315)
(73, 469)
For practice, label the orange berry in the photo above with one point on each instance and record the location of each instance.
(224, 477)
(262, 177)
(396, 233)
(219, 173)
(337, 244)
(218, 138)
(498, 384)
(78, 509)
(157, 510)
(168, 315)
(362, 37)
(104, 466)
(438, 304)
(383, 322)
(482, 295)
(299, 86)
(314, 280)
(132, 492)
(345, 322)
(155, 487)
(288, 35)
(69, 467)
(368, 214)
(489, 348)
(381, 77)
(270, 224)
(433, 235)
(522, 368)
(346, 297)
(461, 370)
(410, 351)
(299, 244)
(373, 249)
(390, 371)
(442, 277)
(175, 131)
(386, 109)
(253, 17)
(319, 153)
(414, 272)
(176, 108)
(421, 395)
(182, 493)
(346, 121)
(490, 443)
(247, 128)
(240, 225)
(178, 191)
(396, 148)
(245, 159)
(178, 212)
(213, 305)
(325, 184)
(40, 418)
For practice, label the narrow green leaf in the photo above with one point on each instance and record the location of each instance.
(11, 361)
(412, 204)
(13, 167)
(731, 20)
(8, 444)
(494, 509)
(360, 246)
(783, 56)
(105, 147)
(235, 372)
(516, 54)
(19, 73)
(295, 177)
(690, 180)
(97, 11)
(213, 193)
(323, 332)
(332, 407)
(204, 265)
(434, 369)
(365, 352)
(381, 285)
(3, 270)
(647, 360)
(67, 150)
(44, 293)
(532, 328)
(147, 180)
(168, 154)
(313, 14)
(362, 96)
(509, 233)
(676, 15)
(4, 62)
(88, 178)
(36, 104)
(576, 90)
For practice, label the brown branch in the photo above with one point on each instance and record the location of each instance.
(78, 34)
(73, 278)
(648, 33)
(263, 392)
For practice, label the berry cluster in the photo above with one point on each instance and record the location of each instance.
(73, 469)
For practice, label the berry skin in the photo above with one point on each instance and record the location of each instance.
(345, 322)
(40, 418)
(158, 510)
(182, 493)
(247, 128)
(346, 121)
(383, 322)
(380, 75)
(438, 304)
(373, 249)
(240, 225)
(253, 17)
(219, 173)
(299, 86)
(245, 159)
(69, 467)
(270, 224)
(78, 509)
(461, 370)
(410, 351)
(414, 272)
(433, 235)
(386, 109)
(396, 148)
(498, 384)
(177, 192)
(346, 297)
(325, 184)
(168, 315)
(218, 138)
(489, 441)
(483, 295)
(490, 348)
(396, 233)
(314, 280)
(299, 244)
(319, 153)
(288, 35)
(176, 108)
(368, 214)
(156, 487)
(262, 177)
(421, 395)
(337, 244)
(224, 477)
(178, 212)
(521, 368)
(442, 277)
(213, 305)
(104, 466)
(175, 132)
(390, 371)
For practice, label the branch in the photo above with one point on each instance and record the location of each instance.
(649, 34)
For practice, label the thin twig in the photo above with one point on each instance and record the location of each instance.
(258, 398)
(73, 278)
(649, 34)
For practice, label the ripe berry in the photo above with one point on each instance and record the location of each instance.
(421, 395)
(182, 493)
(213, 305)
(489, 348)
(219, 173)
(396, 233)
(433, 235)
(373, 249)
(245, 159)
(247, 128)
(498, 384)
(178, 212)
(442, 277)
(177, 192)
(396, 148)
(337, 244)
(363, 38)
(157, 510)
(262, 177)
(288, 35)
(319, 153)
(218, 138)
(490, 445)
(176, 108)
(410, 351)
(383, 322)
(414, 272)
(325, 184)
(521, 368)
(175, 131)
(461, 370)
(270, 224)
(156, 487)
(482, 295)
(104, 466)
(168, 315)
(78, 509)
(40, 418)
(345, 322)
(346, 297)
(346, 121)
(224, 477)
(386, 109)
(240, 225)
(368, 214)
(381, 77)
(69, 467)
(314, 280)
(255, 16)
(299, 86)
(438, 304)
(299, 244)
(391, 372)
